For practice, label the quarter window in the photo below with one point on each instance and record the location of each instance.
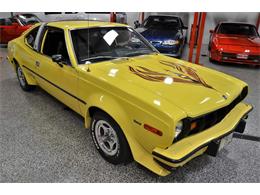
(31, 36)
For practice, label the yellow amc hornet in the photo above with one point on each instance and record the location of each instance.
(138, 104)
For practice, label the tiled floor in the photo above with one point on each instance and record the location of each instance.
(41, 141)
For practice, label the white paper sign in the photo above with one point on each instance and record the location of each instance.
(110, 36)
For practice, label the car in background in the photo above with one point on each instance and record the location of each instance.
(165, 33)
(136, 102)
(11, 28)
(120, 17)
(236, 43)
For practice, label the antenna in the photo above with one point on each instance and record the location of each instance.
(88, 43)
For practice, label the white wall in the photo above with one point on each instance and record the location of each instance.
(5, 14)
(212, 18)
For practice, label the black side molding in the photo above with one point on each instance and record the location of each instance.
(80, 100)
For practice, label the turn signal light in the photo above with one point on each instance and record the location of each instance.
(193, 125)
(153, 130)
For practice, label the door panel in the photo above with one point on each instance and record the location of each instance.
(61, 82)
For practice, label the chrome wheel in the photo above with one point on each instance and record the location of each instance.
(106, 137)
(21, 77)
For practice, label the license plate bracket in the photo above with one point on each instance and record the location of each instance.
(225, 141)
(215, 146)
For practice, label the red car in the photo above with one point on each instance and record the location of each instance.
(11, 28)
(236, 43)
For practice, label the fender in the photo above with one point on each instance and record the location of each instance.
(118, 113)
(15, 61)
(29, 77)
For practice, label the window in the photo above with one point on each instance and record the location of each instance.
(31, 36)
(55, 44)
(28, 19)
(99, 44)
(5, 22)
(237, 29)
(162, 22)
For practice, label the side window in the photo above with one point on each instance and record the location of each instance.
(31, 36)
(55, 43)
(5, 22)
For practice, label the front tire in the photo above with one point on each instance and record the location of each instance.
(22, 80)
(109, 139)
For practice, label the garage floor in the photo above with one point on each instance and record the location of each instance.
(42, 141)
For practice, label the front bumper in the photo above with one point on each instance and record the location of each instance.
(232, 58)
(188, 148)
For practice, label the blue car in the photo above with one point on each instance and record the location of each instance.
(165, 33)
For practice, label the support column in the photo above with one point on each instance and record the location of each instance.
(112, 16)
(192, 35)
(141, 17)
(258, 22)
(200, 38)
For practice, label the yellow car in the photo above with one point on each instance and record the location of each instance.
(138, 104)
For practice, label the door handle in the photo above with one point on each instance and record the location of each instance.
(37, 63)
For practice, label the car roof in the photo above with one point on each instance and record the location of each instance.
(171, 16)
(78, 24)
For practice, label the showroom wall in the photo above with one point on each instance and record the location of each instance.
(212, 18)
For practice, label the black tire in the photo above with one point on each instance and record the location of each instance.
(22, 80)
(122, 152)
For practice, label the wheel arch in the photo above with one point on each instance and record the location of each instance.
(29, 78)
(117, 112)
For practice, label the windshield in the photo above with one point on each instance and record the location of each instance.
(27, 19)
(162, 22)
(106, 43)
(237, 29)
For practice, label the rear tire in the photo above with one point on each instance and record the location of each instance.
(109, 139)
(22, 80)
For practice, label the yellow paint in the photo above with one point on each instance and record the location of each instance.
(127, 96)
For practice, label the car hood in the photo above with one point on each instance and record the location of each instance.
(238, 40)
(159, 34)
(163, 82)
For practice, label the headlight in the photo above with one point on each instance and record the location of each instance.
(171, 42)
(179, 128)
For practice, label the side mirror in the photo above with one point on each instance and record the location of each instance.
(58, 59)
(185, 27)
(211, 31)
(137, 24)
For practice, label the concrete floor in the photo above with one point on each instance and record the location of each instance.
(41, 141)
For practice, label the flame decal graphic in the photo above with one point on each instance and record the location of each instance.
(179, 73)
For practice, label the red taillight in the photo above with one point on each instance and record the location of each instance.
(153, 130)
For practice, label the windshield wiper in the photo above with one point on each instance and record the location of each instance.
(98, 57)
(137, 53)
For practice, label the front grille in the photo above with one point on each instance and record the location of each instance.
(208, 120)
(229, 55)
